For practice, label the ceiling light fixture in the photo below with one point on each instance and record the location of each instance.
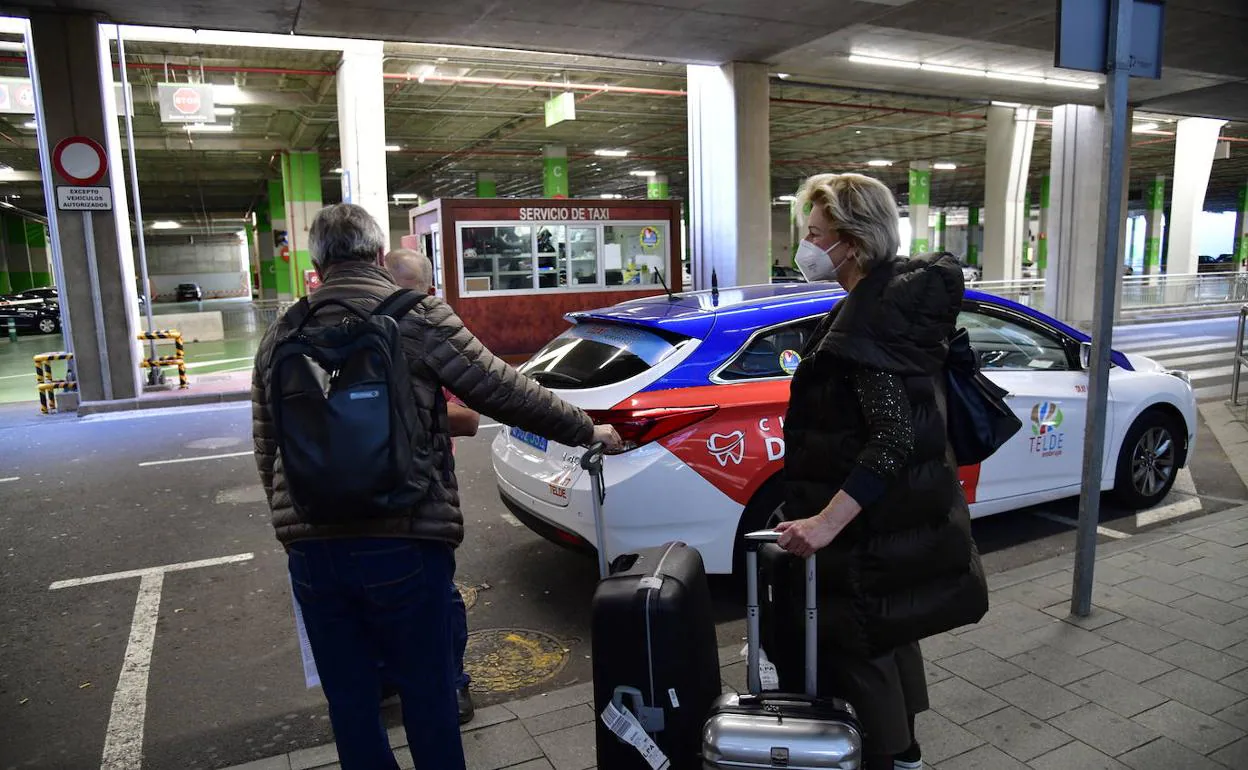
(31, 124)
(879, 163)
(336, 170)
(393, 148)
(783, 75)
(945, 166)
(946, 69)
(611, 196)
(643, 173)
(166, 224)
(405, 196)
(1011, 105)
(210, 128)
(882, 62)
(611, 153)
(229, 94)
(1140, 128)
(787, 198)
(223, 112)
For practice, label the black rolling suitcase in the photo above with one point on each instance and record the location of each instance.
(656, 661)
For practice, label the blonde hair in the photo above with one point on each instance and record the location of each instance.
(861, 208)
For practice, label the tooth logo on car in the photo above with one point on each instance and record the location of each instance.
(727, 447)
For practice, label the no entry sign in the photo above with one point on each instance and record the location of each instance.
(80, 160)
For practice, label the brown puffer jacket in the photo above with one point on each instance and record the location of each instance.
(440, 352)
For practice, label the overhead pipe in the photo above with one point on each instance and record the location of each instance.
(518, 83)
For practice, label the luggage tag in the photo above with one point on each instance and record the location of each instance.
(624, 724)
(768, 675)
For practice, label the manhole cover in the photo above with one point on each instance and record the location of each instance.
(508, 659)
(469, 594)
(218, 442)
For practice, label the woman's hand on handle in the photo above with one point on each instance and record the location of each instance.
(806, 536)
(608, 437)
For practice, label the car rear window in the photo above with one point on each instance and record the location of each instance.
(591, 355)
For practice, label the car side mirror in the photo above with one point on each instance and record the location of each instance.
(1085, 355)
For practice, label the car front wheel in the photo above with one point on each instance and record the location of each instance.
(47, 325)
(1148, 461)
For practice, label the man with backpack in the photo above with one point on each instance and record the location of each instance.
(353, 447)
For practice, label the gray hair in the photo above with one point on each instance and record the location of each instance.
(344, 232)
(861, 208)
(411, 269)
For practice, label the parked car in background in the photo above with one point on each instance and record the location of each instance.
(1207, 263)
(698, 386)
(29, 312)
(781, 274)
(189, 292)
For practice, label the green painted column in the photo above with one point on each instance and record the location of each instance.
(18, 253)
(487, 186)
(1241, 229)
(942, 221)
(6, 285)
(972, 235)
(37, 246)
(1026, 229)
(301, 186)
(281, 271)
(1042, 238)
(657, 188)
(266, 252)
(920, 199)
(555, 172)
(1154, 228)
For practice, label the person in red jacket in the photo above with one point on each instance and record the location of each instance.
(413, 270)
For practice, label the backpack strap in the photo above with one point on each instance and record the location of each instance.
(399, 304)
(297, 314)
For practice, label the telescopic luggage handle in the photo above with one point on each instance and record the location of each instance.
(754, 541)
(592, 462)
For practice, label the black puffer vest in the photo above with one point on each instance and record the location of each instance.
(907, 566)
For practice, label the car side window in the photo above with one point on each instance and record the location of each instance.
(1005, 344)
(771, 354)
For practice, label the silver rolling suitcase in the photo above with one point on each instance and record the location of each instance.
(773, 729)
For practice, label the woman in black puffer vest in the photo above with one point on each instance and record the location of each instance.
(870, 479)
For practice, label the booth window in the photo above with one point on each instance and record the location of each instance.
(497, 258)
(632, 253)
(567, 256)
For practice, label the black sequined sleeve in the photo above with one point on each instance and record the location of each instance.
(890, 441)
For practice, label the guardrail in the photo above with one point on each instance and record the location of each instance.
(47, 384)
(178, 359)
(1240, 361)
(1139, 291)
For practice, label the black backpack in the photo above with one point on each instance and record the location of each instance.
(349, 436)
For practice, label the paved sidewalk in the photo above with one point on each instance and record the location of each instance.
(1156, 678)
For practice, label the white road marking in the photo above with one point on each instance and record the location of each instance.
(196, 459)
(215, 362)
(1187, 502)
(1138, 343)
(180, 567)
(1190, 361)
(512, 520)
(1106, 531)
(10, 478)
(169, 411)
(1159, 352)
(485, 425)
(1209, 374)
(123, 742)
(28, 375)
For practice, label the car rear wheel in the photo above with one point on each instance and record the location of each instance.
(762, 512)
(1148, 461)
(47, 325)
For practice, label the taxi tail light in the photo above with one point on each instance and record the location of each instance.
(638, 427)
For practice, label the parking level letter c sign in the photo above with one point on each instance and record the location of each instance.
(80, 160)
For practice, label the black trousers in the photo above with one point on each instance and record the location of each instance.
(886, 691)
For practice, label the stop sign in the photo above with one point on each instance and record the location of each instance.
(186, 101)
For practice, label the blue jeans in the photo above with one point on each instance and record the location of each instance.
(388, 599)
(459, 637)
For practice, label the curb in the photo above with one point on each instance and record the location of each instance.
(191, 399)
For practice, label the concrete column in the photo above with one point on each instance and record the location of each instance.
(555, 172)
(1076, 168)
(656, 187)
(487, 186)
(974, 235)
(1195, 142)
(1042, 236)
(301, 186)
(1011, 132)
(362, 131)
(17, 253)
(729, 174)
(75, 72)
(6, 285)
(920, 210)
(1241, 229)
(1155, 200)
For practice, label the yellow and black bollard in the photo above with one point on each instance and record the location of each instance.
(47, 384)
(178, 359)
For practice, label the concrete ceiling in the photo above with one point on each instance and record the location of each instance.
(827, 112)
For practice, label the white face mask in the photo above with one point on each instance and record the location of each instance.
(816, 264)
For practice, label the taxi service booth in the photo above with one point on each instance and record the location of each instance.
(511, 268)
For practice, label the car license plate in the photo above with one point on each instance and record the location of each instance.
(533, 440)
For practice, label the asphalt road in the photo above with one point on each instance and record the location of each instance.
(226, 683)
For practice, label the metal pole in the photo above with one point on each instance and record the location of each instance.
(88, 233)
(49, 197)
(134, 187)
(1119, 75)
(1239, 356)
